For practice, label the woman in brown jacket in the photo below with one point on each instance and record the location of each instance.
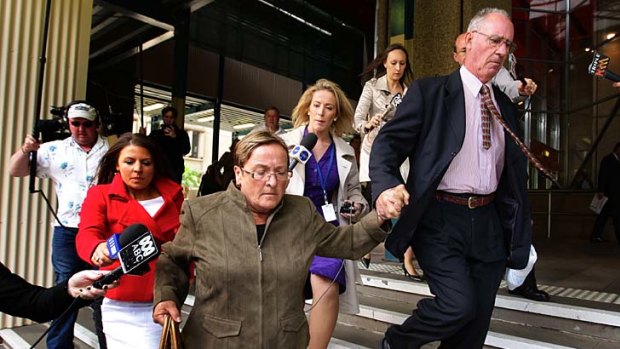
(252, 246)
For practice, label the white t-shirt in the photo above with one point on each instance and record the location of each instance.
(73, 172)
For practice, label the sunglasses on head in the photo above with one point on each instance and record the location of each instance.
(86, 124)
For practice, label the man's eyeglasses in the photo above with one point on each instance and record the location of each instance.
(496, 40)
(262, 175)
(85, 124)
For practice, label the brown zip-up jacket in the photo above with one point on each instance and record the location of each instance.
(250, 295)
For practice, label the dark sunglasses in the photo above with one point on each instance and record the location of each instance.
(86, 124)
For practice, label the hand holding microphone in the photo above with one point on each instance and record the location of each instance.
(80, 284)
(137, 248)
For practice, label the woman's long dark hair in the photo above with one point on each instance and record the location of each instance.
(376, 69)
(107, 166)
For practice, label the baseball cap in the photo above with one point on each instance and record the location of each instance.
(82, 110)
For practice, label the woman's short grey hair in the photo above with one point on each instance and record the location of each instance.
(255, 139)
(475, 22)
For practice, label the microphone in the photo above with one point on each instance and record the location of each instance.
(303, 151)
(118, 241)
(134, 256)
(598, 68)
(394, 102)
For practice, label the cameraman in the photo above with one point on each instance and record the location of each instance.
(71, 164)
(173, 141)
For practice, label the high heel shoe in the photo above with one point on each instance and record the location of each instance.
(366, 262)
(413, 277)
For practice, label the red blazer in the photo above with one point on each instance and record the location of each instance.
(108, 209)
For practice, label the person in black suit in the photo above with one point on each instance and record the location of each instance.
(464, 208)
(609, 186)
(174, 141)
(20, 298)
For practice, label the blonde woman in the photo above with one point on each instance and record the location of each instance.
(330, 178)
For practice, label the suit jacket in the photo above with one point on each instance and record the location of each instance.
(20, 298)
(429, 128)
(174, 148)
(609, 177)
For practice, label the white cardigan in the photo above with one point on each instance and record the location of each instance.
(348, 189)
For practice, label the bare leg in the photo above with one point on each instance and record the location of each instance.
(408, 261)
(324, 313)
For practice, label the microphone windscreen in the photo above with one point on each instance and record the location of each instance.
(131, 233)
(309, 141)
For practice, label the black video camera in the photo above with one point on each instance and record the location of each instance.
(54, 128)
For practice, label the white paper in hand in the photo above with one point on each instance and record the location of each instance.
(597, 204)
(515, 277)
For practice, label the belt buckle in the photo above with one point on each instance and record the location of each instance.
(470, 202)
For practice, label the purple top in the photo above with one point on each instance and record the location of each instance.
(313, 188)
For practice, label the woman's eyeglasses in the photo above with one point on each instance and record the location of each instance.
(261, 175)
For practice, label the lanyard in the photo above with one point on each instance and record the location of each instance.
(322, 181)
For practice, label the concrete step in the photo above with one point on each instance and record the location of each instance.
(387, 297)
(517, 322)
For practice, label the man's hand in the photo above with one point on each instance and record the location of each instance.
(529, 89)
(390, 202)
(30, 144)
(80, 284)
(616, 84)
(164, 308)
(169, 131)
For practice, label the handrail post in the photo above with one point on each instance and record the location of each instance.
(548, 214)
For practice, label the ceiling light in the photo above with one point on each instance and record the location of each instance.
(611, 36)
(587, 49)
(153, 107)
(244, 126)
(206, 119)
(297, 18)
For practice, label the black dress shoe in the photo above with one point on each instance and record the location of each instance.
(531, 293)
(385, 344)
(597, 239)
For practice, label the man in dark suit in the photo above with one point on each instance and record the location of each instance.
(174, 141)
(464, 208)
(609, 186)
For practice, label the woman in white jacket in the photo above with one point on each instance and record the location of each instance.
(329, 179)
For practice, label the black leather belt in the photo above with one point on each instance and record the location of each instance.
(469, 200)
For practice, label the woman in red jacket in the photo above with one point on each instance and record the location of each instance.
(133, 187)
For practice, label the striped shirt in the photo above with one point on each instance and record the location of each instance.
(474, 169)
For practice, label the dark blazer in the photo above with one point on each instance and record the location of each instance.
(429, 128)
(20, 298)
(174, 148)
(609, 177)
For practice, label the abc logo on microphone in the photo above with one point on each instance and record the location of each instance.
(301, 154)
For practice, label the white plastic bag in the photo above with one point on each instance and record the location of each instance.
(515, 277)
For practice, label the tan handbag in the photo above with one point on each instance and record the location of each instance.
(170, 335)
